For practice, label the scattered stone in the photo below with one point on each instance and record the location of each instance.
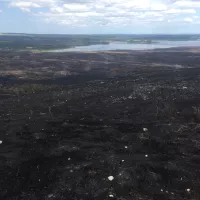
(110, 178)
(146, 155)
(111, 195)
(50, 195)
(69, 158)
(188, 190)
(130, 97)
(122, 160)
(126, 147)
(161, 190)
(1, 141)
(145, 129)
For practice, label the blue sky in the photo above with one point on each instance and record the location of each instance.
(100, 16)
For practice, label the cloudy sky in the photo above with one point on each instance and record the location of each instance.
(100, 16)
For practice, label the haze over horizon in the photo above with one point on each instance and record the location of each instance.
(100, 16)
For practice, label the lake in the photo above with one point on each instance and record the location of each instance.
(127, 46)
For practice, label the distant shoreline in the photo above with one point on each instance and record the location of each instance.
(52, 42)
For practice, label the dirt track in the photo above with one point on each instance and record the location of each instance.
(63, 137)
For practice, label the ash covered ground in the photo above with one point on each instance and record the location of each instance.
(111, 125)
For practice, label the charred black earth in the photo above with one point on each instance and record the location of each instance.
(69, 122)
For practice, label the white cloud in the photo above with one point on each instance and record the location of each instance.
(178, 11)
(57, 9)
(24, 4)
(188, 4)
(109, 12)
(158, 7)
(75, 7)
(187, 19)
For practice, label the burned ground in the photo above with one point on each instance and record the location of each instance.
(132, 115)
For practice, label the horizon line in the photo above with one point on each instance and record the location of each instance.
(17, 33)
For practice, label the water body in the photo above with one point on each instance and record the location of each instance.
(127, 46)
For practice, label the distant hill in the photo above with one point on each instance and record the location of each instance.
(14, 34)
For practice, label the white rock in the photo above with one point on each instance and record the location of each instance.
(69, 158)
(122, 160)
(50, 195)
(126, 147)
(184, 87)
(188, 190)
(145, 129)
(110, 178)
(161, 190)
(111, 196)
(146, 155)
(1, 141)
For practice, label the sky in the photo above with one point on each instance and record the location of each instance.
(100, 16)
